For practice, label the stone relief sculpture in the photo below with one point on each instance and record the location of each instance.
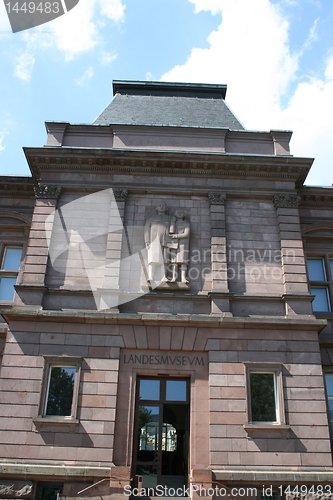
(180, 231)
(156, 228)
(167, 243)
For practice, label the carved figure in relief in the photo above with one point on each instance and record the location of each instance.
(156, 229)
(179, 256)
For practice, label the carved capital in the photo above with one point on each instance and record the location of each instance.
(286, 200)
(120, 194)
(216, 198)
(47, 191)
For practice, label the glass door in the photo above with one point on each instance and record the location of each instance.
(162, 432)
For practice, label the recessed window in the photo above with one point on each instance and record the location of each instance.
(59, 398)
(263, 397)
(320, 273)
(329, 395)
(60, 389)
(316, 270)
(321, 300)
(265, 402)
(9, 270)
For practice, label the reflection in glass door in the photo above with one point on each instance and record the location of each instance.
(162, 432)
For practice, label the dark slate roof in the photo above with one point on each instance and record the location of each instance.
(167, 104)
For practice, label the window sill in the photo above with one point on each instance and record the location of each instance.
(266, 427)
(55, 421)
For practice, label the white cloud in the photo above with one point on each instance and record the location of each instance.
(107, 58)
(87, 75)
(250, 52)
(113, 9)
(78, 30)
(308, 115)
(211, 5)
(75, 32)
(329, 69)
(312, 36)
(24, 66)
(2, 136)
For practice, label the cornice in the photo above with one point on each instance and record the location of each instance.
(199, 320)
(16, 186)
(316, 197)
(316, 200)
(198, 164)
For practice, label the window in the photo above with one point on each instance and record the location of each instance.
(265, 402)
(9, 270)
(320, 275)
(60, 390)
(329, 396)
(263, 397)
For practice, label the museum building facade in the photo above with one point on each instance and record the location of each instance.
(166, 291)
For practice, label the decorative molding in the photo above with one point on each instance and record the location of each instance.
(47, 191)
(15, 187)
(286, 200)
(317, 200)
(120, 194)
(317, 227)
(20, 218)
(216, 198)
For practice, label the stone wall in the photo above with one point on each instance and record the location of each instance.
(303, 440)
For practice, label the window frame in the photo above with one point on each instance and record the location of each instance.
(65, 362)
(10, 273)
(327, 284)
(329, 371)
(276, 370)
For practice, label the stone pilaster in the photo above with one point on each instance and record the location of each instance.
(296, 295)
(30, 289)
(219, 299)
(113, 248)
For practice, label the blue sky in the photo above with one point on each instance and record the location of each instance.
(276, 56)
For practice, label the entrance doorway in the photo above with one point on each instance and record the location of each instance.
(162, 432)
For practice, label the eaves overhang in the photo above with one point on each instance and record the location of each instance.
(150, 162)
